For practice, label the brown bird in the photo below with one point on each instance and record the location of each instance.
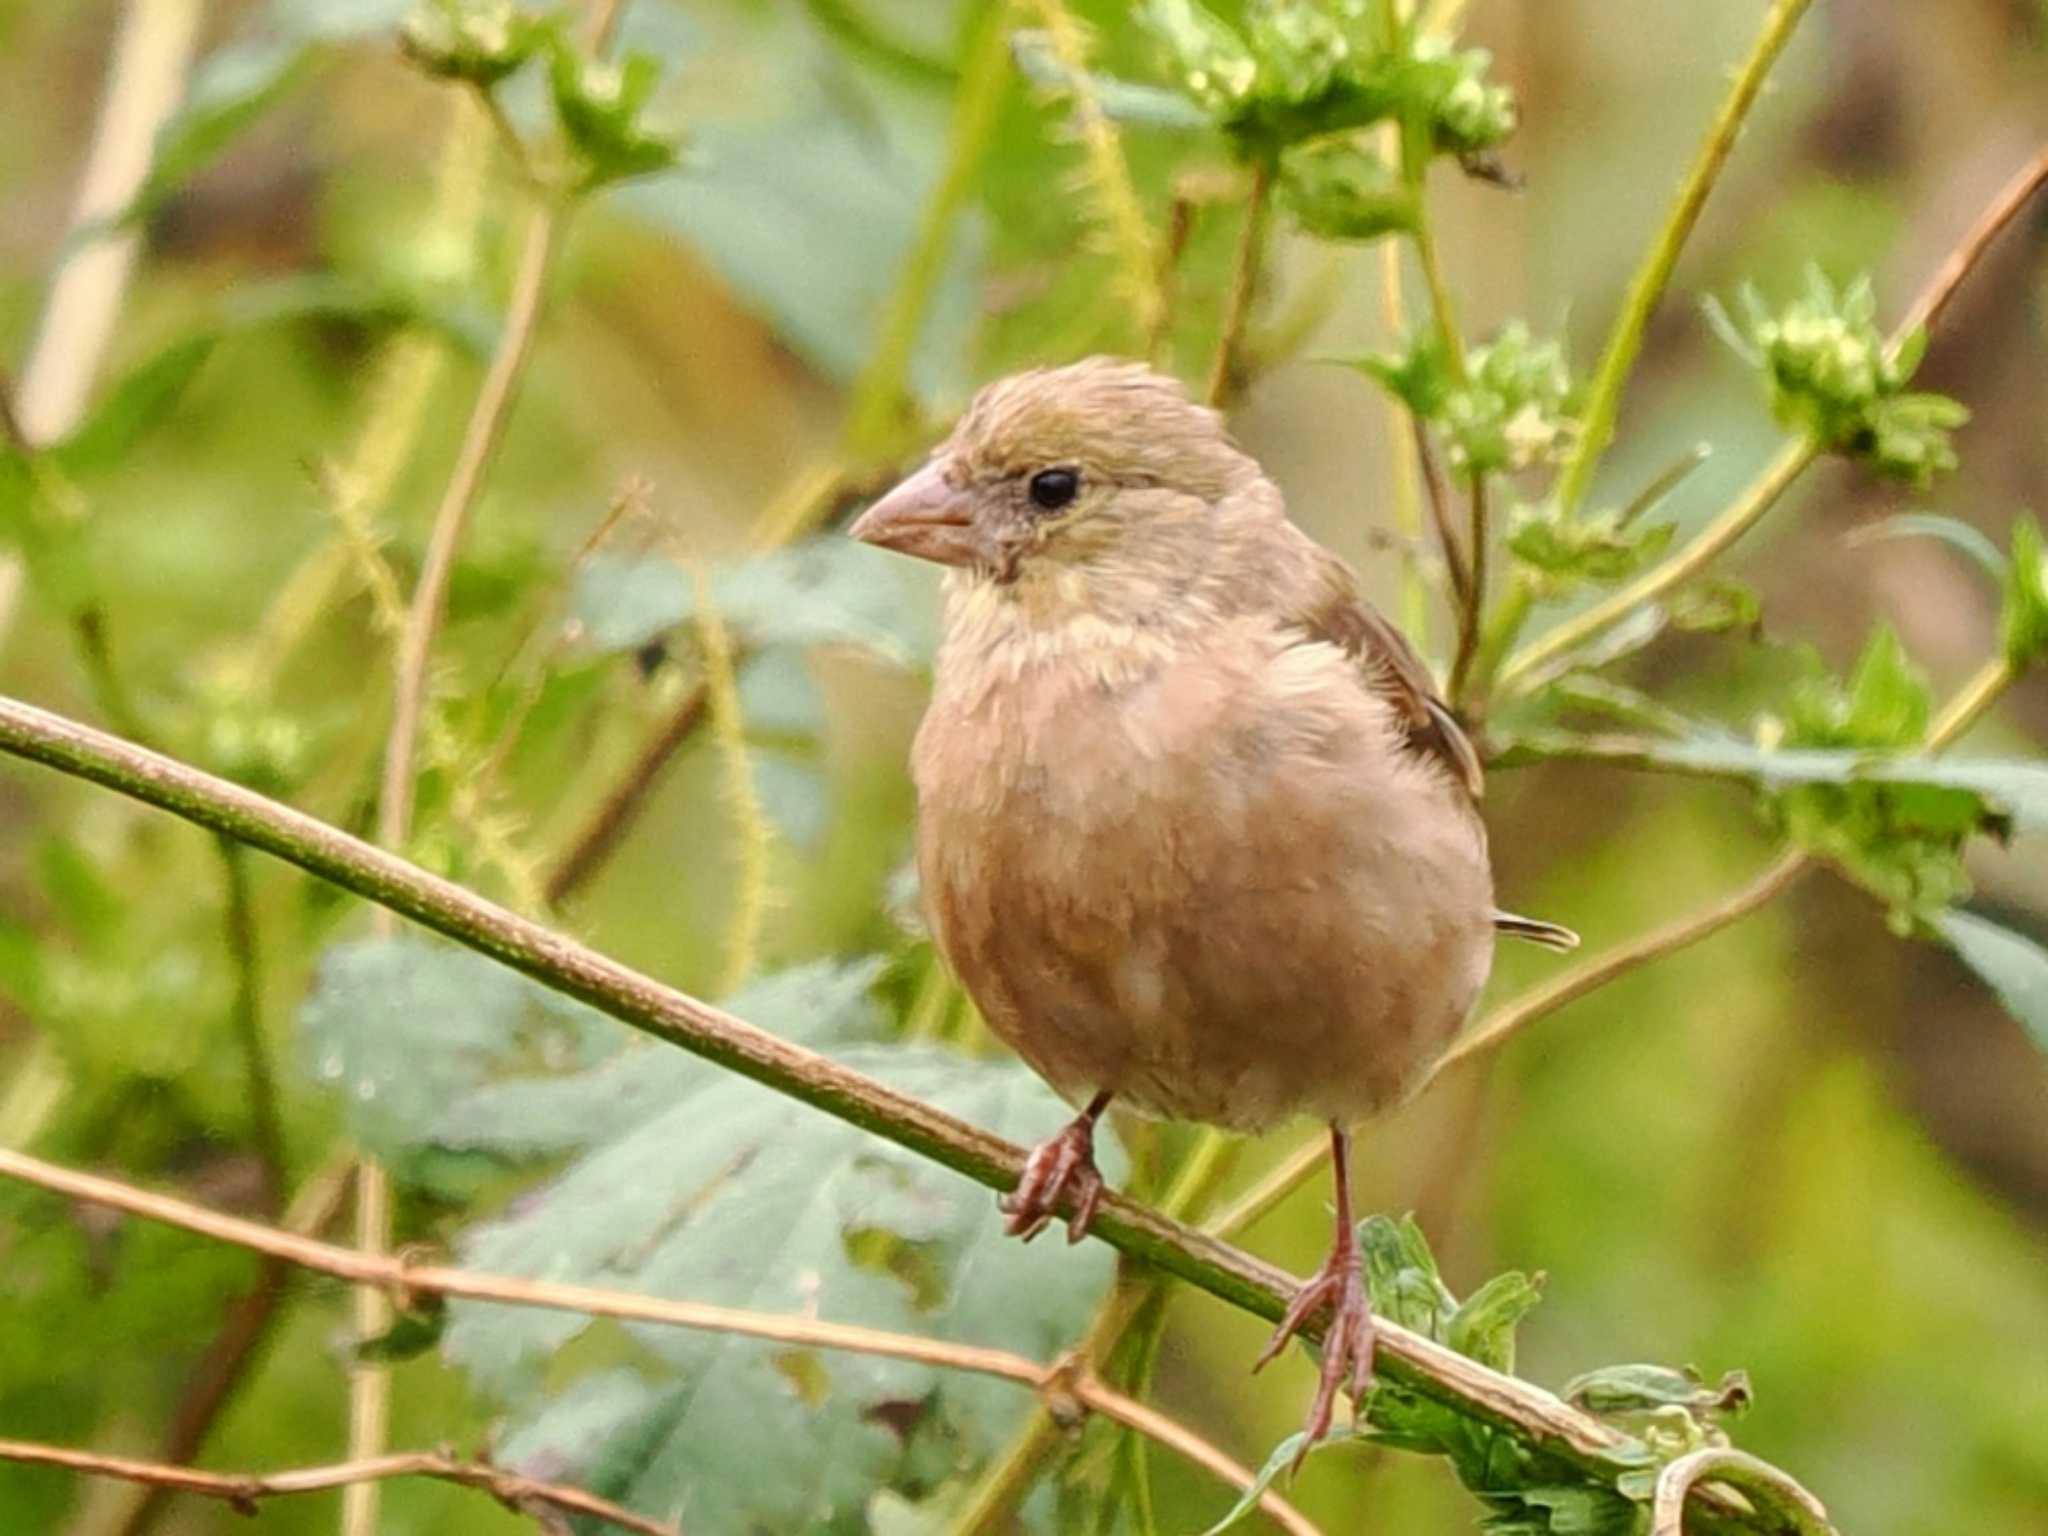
(1195, 832)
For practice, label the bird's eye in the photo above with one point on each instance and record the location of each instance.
(1052, 489)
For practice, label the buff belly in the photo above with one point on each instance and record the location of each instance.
(1226, 915)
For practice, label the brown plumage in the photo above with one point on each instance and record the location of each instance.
(1194, 830)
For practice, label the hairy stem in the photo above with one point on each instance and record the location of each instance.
(1646, 289)
(1244, 284)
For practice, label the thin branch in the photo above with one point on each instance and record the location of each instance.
(1065, 1379)
(1926, 310)
(1477, 539)
(1791, 459)
(235, 1346)
(565, 966)
(246, 1014)
(1244, 284)
(1646, 289)
(1758, 1481)
(614, 816)
(11, 429)
(243, 1491)
(1439, 502)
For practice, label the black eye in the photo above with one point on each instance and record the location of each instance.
(1052, 489)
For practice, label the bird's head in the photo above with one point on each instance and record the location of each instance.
(1093, 467)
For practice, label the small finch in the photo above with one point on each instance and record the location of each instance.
(1194, 831)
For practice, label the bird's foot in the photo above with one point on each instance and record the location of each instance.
(1060, 1167)
(1347, 1341)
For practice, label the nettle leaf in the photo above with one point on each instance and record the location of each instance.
(690, 1182)
(400, 1027)
(2024, 624)
(1617, 1390)
(2012, 965)
(827, 591)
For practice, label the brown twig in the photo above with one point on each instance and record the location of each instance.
(1926, 309)
(1470, 617)
(614, 816)
(1244, 284)
(243, 1491)
(396, 1275)
(1438, 498)
(221, 1366)
(1762, 1484)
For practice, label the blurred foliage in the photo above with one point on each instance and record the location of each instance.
(1800, 1150)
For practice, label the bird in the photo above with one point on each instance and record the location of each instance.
(1195, 831)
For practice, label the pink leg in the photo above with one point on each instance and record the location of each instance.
(1339, 1285)
(1060, 1168)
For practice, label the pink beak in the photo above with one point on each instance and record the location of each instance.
(925, 516)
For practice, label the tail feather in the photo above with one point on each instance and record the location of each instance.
(1536, 931)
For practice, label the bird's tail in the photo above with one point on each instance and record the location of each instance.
(1536, 931)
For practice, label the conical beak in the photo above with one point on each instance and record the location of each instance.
(924, 516)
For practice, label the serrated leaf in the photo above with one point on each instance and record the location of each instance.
(828, 591)
(2012, 965)
(1483, 1327)
(138, 404)
(401, 1027)
(719, 1190)
(1401, 1273)
(1278, 1461)
(1626, 1389)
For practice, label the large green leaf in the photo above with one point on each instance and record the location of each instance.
(137, 405)
(2014, 966)
(693, 1183)
(826, 591)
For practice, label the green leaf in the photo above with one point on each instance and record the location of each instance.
(1126, 101)
(1955, 533)
(691, 1182)
(1570, 1509)
(1569, 548)
(1628, 1389)
(138, 405)
(1281, 1458)
(2012, 965)
(1340, 192)
(1885, 703)
(601, 107)
(1483, 1327)
(413, 1334)
(401, 1027)
(231, 92)
(2024, 623)
(1401, 1273)
(827, 591)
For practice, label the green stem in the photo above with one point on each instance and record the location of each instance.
(882, 390)
(1618, 360)
(1244, 285)
(1762, 494)
(265, 1118)
(1440, 304)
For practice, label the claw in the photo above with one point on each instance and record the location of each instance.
(1060, 1169)
(1348, 1338)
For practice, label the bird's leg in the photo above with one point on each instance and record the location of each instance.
(1339, 1285)
(1062, 1164)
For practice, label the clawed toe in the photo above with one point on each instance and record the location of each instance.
(1059, 1170)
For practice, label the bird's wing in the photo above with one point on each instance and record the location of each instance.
(1333, 609)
